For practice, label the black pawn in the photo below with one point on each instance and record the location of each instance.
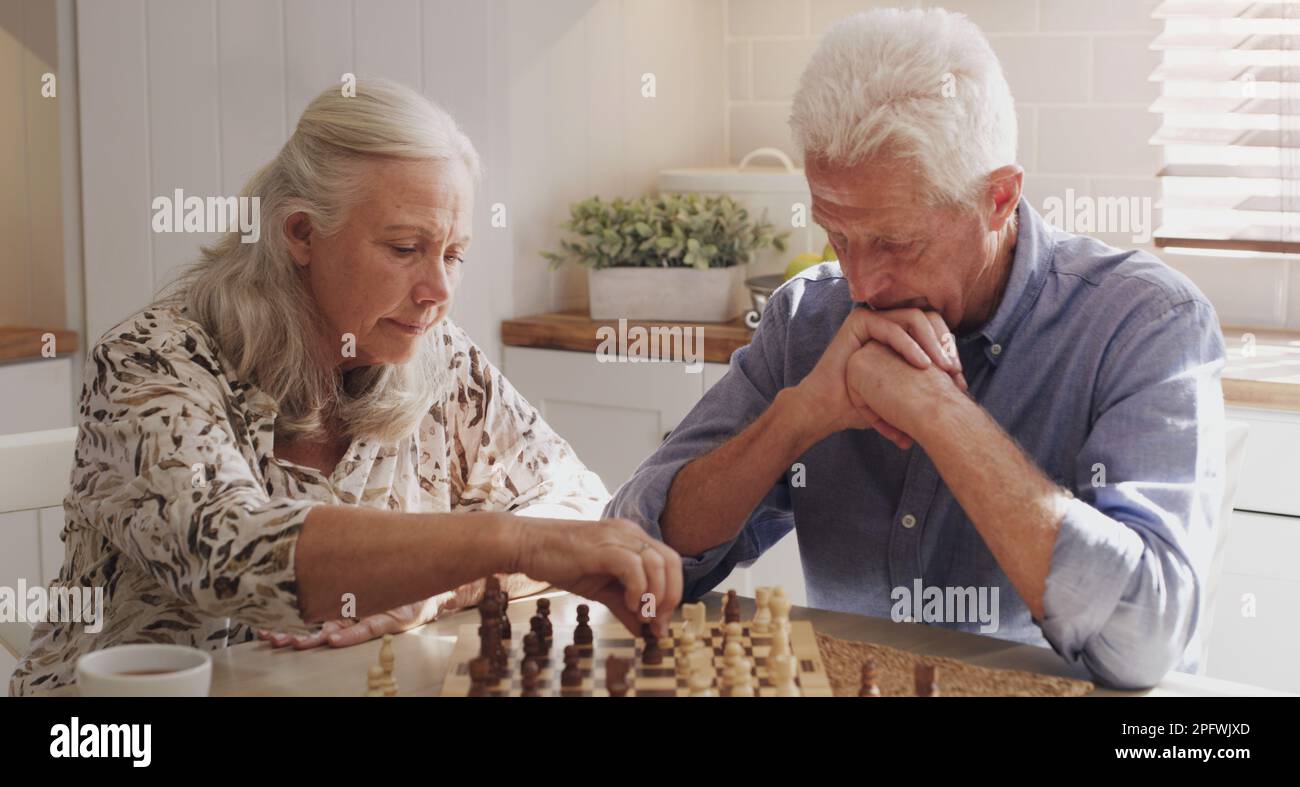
(504, 598)
(731, 609)
(582, 635)
(652, 654)
(530, 679)
(480, 673)
(571, 677)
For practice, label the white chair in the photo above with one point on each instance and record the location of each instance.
(1235, 441)
(34, 472)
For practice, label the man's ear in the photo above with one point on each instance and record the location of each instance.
(1003, 194)
(297, 234)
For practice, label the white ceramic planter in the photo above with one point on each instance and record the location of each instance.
(668, 294)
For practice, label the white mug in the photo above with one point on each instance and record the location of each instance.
(145, 671)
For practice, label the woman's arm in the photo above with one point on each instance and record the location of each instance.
(388, 559)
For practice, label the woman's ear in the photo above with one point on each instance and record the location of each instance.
(297, 233)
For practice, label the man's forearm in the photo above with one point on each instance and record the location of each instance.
(712, 497)
(1016, 509)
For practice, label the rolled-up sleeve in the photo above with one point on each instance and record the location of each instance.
(748, 388)
(1124, 592)
(507, 458)
(157, 470)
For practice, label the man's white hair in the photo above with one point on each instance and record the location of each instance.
(922, 85)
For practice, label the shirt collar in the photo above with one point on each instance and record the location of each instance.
(1033, 254)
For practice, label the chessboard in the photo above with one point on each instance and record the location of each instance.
(661, 680)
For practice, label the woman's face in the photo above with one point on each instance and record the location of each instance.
(387, 276)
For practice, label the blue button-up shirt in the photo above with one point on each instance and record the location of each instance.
(1104, 366)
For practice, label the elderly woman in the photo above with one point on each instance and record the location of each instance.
(298, 434)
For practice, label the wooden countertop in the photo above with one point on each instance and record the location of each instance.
(24, 343)
(574, 330)
(423, 655)
(1270, 378)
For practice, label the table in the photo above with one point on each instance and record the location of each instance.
(257, 669)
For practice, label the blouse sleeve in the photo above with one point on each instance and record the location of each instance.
(163, 469)
(506, 458)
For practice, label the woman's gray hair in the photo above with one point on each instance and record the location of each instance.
(251, 296)
(922, 85)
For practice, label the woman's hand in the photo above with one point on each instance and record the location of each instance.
(347, 632)
(611, 561)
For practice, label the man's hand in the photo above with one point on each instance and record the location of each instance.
(898, 391)
(920, 337)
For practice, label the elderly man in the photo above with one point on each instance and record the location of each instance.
(1078, 476)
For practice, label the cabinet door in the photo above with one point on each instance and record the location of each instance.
(37, 395)
(1253, 635)
(614, 414)
(1270, 471)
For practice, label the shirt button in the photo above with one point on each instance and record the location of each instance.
(909, 521)
(996, 349)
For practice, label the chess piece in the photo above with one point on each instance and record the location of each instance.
(537, 625)
(926, 685)
(582, 635)
(694, 615)
(700, 681)
(532, 646)
(870, 686)
(387, 659)
(492, 648)
(780, 639)
(762, 622)
(544, 608)
(480, 674)
(732, 652)
(571, 677)
(782, 669)
(651, 654)
(731, 608)
(779, 605)
(686, 645)
(530, 680)
(734, 632)
(616, 676)
(742, 678)
(504, 599)
(376, 681)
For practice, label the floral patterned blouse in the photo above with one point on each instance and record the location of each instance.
(181, 512)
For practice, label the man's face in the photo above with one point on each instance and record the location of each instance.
(895, 250)
(389, 274)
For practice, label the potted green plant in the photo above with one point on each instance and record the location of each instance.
(675, 257)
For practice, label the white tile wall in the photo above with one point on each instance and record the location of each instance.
(1079, 72)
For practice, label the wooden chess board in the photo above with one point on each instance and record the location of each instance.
(661, 680)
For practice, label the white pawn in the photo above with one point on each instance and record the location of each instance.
(686, 646)
(732, 654)
(733, 633)
(783, 676)
(762, 621)
(376, 681)
(701, 684)
(742, 680)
